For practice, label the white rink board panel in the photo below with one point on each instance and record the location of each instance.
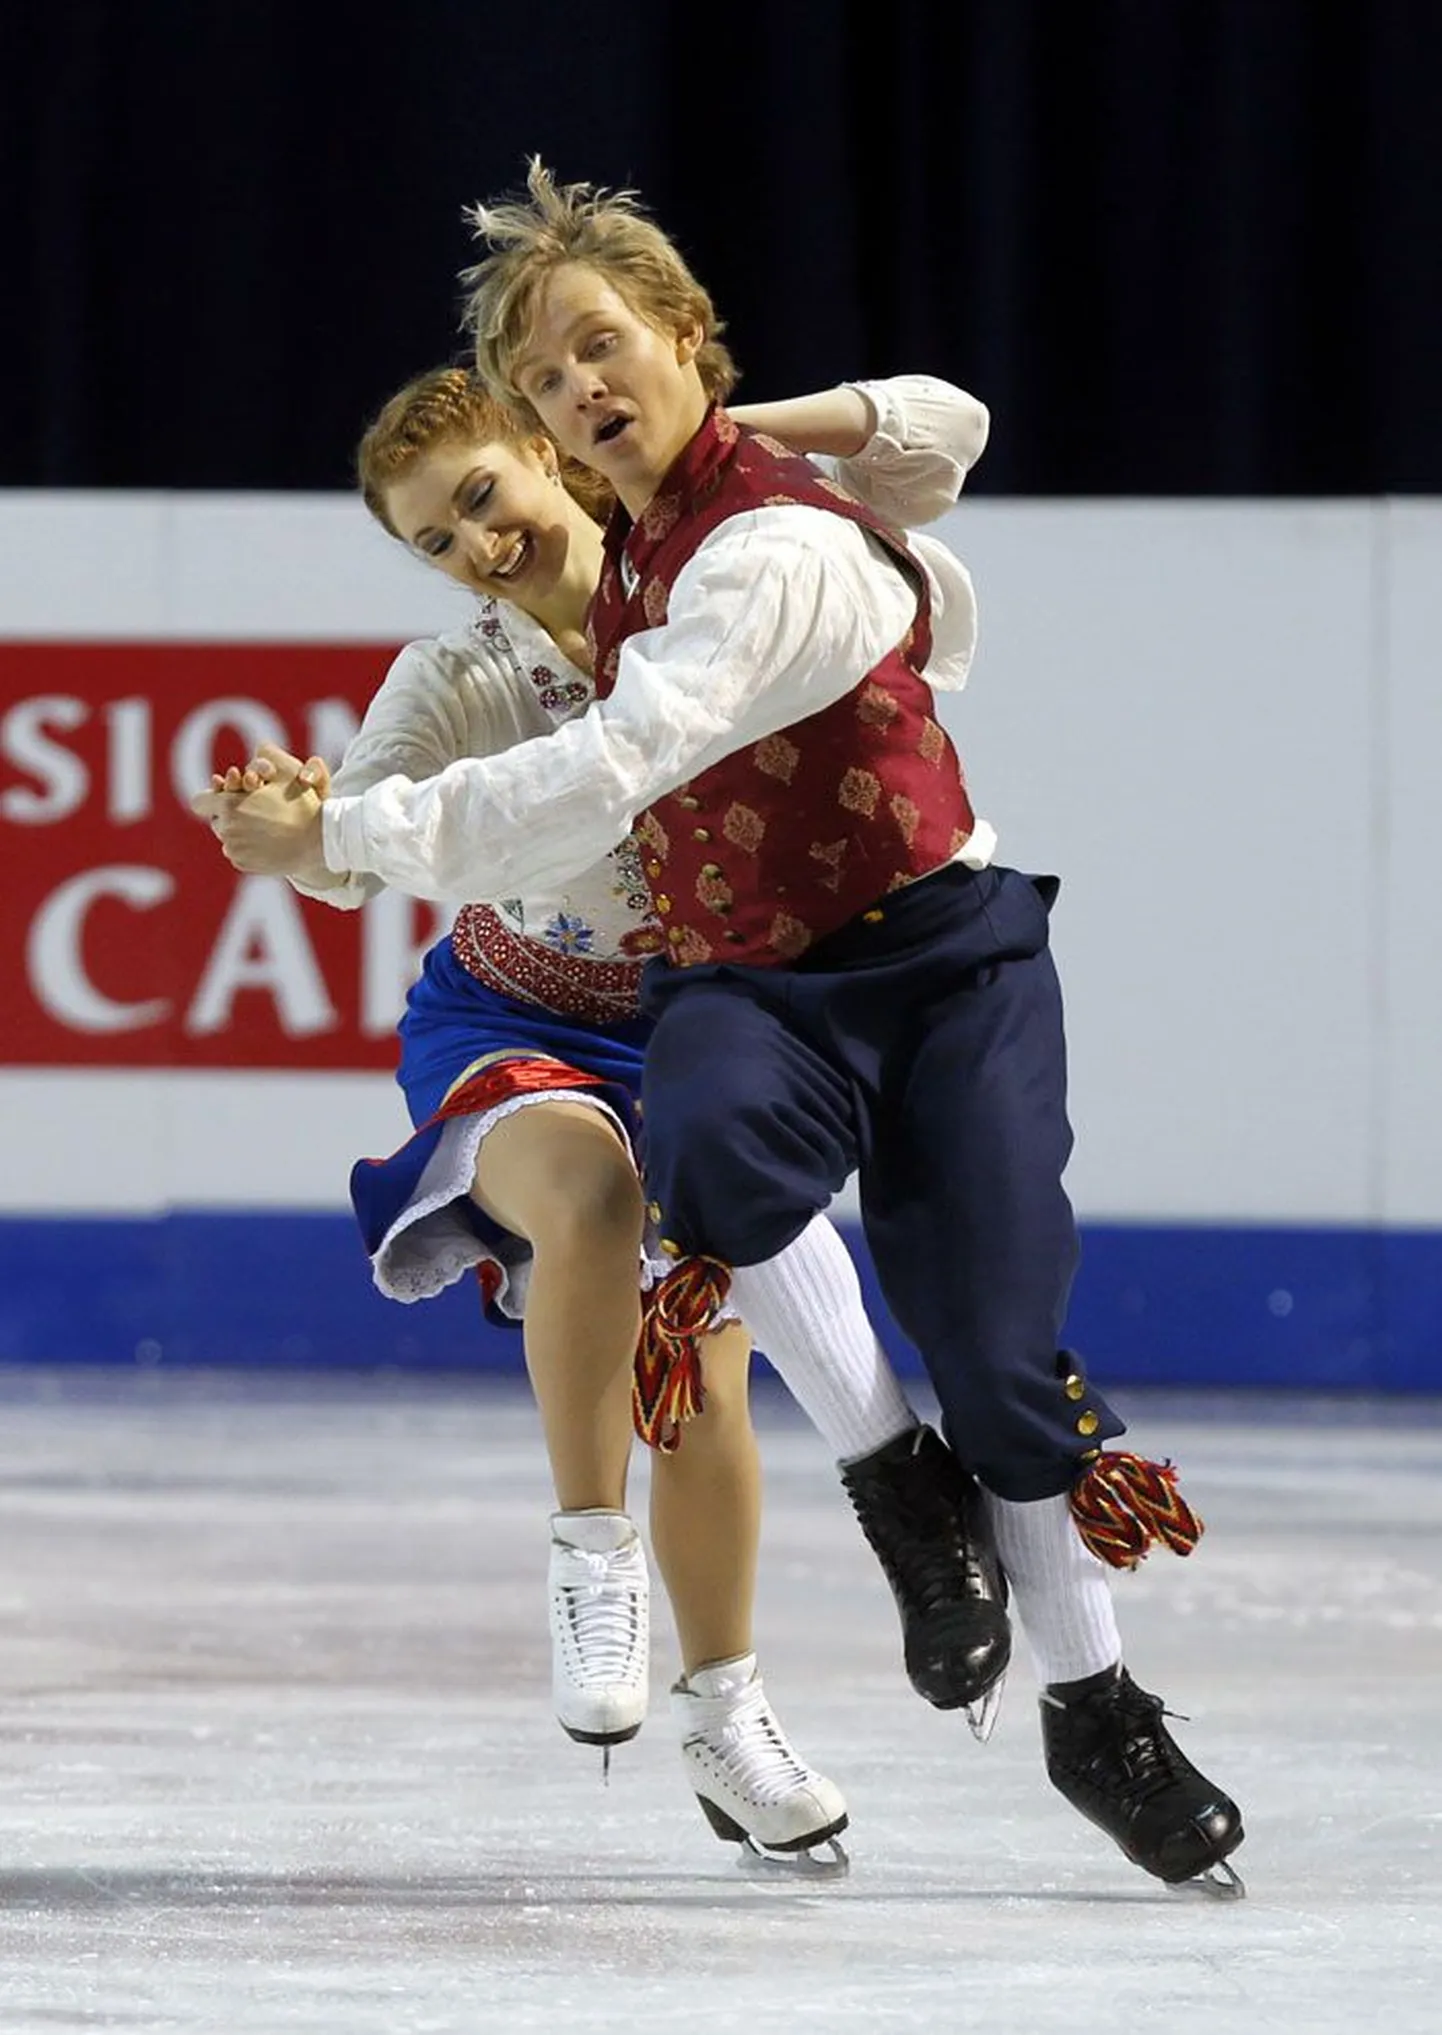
(1407, 901)
(1168, 707)
(141, 1141)
(1215, 720)
(209, 567)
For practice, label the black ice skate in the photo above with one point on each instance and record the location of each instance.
(1110, 1754)
(927, 1525)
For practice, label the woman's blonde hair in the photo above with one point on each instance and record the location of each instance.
(603, 230)
(451, 406)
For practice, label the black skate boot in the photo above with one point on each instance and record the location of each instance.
(927, 1525)
(1110, 1754)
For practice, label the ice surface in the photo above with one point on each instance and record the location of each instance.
(278, 1754)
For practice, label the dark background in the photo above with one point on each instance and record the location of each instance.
(1180, 248)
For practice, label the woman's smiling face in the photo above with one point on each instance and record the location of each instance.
(491, 515)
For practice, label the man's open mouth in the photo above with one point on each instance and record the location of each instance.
(611, 430)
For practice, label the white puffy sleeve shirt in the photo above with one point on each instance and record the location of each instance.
(459, 694)
(777, 614)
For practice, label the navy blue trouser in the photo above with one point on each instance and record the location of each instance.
(923, 1050)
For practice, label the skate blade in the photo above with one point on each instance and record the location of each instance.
(1217, 1883)
(981, 1715)
(605, 1739)
(606, 1743)
(827, 1862)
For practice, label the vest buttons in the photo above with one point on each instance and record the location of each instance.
(1075, 1386)
(653, 868)
(685, 799)
(675, 936)
(701, 834)
(662, 904)
(1088, 1423)
(711, 869)
(733, 936)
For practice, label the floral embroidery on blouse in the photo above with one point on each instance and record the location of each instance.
(630, 884)
(559, 695)
(568, 934)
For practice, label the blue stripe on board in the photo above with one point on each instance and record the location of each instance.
(1328, 1310)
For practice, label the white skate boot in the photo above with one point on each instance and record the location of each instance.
(600, 1626)
(754, 1789)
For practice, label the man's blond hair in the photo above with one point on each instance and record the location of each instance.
(607, 231)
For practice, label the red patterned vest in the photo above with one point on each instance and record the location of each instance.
(782, 842)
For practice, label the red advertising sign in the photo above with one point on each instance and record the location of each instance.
(128, 938)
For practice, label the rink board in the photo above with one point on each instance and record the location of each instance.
(1218, 721)
(1331, 1310)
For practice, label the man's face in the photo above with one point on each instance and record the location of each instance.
(613, 391)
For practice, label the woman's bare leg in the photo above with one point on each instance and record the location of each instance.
(557, 1174)
(705, 1529)
(706, 1511)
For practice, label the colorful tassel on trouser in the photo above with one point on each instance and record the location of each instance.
(666, 1385)
(1122, 1504)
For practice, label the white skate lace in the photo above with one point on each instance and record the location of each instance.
(754, 1753)
(602, 1623)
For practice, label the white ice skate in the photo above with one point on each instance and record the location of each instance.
(752, 1786)
(600, 1627)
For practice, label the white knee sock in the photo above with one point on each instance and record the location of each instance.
(1060, 1591)
(805, 1310)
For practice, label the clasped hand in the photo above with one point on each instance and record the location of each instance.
(266, 816)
